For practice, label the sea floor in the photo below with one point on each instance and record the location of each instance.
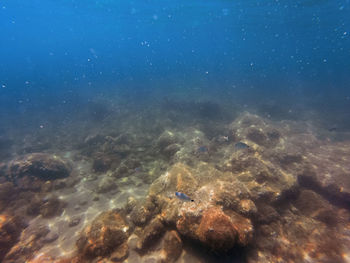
(100, 187)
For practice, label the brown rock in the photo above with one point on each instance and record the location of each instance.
(6, 194)
(247, 207)
(121, 253)
(330, 172)
(102, 164)
(216, 230)
(179, 178)
(172, 246)
(31, 240)
(257, 136)
(140, 215)
(52, 207)
(106, 233)
(10, 230)
(151, 234)
(40, 165)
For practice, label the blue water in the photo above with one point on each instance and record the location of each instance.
(62, 53)
(125, 91)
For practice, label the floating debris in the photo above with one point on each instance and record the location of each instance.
(183, 196)
(241, 145)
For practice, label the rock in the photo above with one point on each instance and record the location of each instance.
(247, 207)
(172, 246)
(28, 183)
(101, 164)
(10, 230)
(107, 184)
(31, 240)
(267, 214)
(95, 198)
(140, 215)
(6, 194)
(74, 221)
(330, 172)
(257, 136)
(120, 254)
(171, 150)
(52, 207)
(165, 139)
(179, 178)
(94, 140)
(313, 205)
(105, 234)
(151, 234)
(50, 237)
(41, 165)
(216, 230)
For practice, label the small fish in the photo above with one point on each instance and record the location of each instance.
(183, 196)
(241, 145)
(202, 149)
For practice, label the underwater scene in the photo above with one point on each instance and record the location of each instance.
(158, 131)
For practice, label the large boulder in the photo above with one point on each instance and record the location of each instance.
(40, 165)
(106, 233)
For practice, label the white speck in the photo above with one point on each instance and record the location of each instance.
(324, 60)
(41, 126)
(27, 82)
(3, 86)
(251, 64)
(345, 33)
(207, 72)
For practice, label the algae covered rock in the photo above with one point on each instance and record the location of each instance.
(151, 234)
(105, 234)
(40, 165)
(179, 178)
(172, 246)
(216, 230)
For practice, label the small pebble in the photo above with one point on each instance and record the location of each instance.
(50, 237)
(74, 222)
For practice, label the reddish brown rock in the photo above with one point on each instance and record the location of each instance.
(40, 165)
(216, 230)
(106, 233)
(10, 230)
(31, 240)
